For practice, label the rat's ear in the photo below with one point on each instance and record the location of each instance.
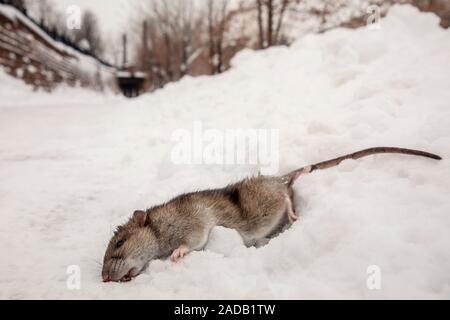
(140, 217)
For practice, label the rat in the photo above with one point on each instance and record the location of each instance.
(258, 207)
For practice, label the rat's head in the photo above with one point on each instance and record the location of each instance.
(130, 249)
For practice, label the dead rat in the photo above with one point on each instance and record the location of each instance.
(258, 208)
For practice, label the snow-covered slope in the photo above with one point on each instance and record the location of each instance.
(28, 53)
(70, 174)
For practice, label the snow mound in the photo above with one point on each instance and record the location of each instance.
(70, 175)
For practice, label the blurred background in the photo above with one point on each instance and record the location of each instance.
(136, 46)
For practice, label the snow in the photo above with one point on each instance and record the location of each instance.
(14, 93)
(127, 74)
(74, 164)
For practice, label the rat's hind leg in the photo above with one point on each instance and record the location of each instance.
(292, 216)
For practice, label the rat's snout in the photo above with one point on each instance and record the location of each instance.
(113, 270)
(118, 271)
(106, 278)
(107, 272)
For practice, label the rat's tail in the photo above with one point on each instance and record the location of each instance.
(291, 177)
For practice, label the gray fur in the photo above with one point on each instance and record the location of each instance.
(255, 207)
(258, 208)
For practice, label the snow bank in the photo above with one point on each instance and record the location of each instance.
(70, 175)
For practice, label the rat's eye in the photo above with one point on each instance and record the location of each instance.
(119, 243)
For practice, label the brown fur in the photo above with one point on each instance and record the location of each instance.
(258, 208)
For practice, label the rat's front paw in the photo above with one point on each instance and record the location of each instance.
(179, 253)
(292, 216)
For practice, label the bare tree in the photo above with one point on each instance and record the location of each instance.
(162, 12)
(44, 11)
(259, 6)
(171, 40)
(187, 26)
(284, 7)
(90, 32)
(217, 19)
(270, 20)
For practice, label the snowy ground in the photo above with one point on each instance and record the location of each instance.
(74, 165)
